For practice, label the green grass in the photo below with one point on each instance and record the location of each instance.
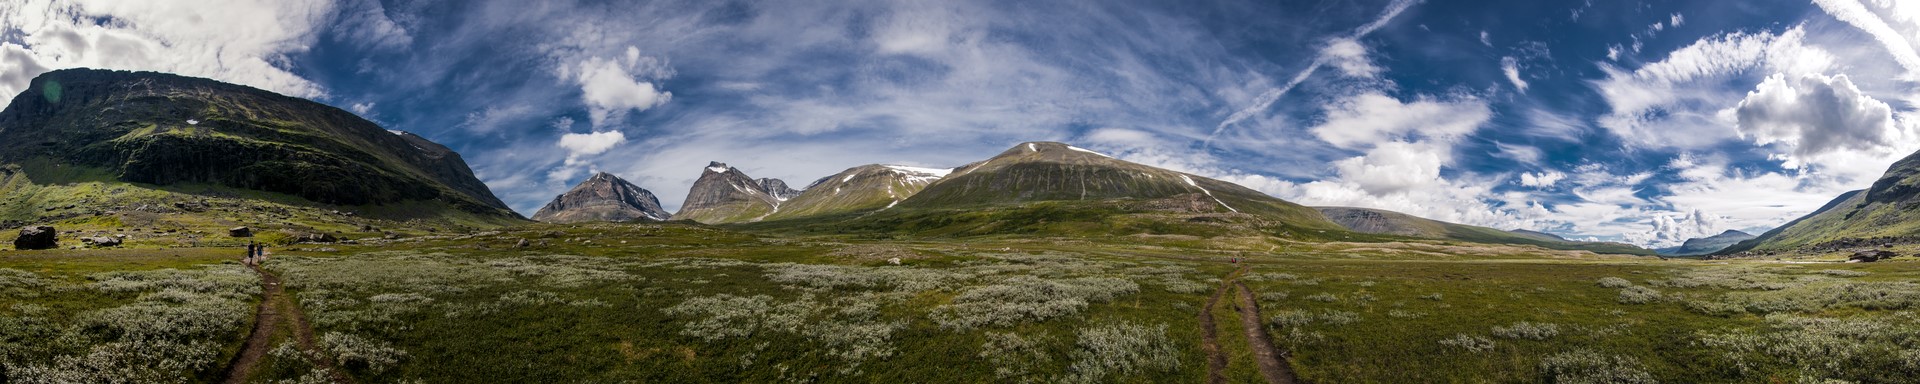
(695, 303)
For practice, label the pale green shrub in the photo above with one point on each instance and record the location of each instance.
(1119, 349)
(1027, 298)
(1470, 343)
(1638, 295)
(355, 352)
(1614, 282)
(1583, 366)
(1528, 331)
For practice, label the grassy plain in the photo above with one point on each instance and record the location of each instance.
(688, 303)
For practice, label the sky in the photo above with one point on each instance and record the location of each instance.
(1646, 122)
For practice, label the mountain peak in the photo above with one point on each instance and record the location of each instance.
(724, 194)
(603, 197)
(717, 167)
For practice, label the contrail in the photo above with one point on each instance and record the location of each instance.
(1267, 98)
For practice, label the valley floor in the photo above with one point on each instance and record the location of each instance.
(673, 303)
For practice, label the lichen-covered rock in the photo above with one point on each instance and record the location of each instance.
(36, 237)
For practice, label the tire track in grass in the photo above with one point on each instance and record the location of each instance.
(1210, 335)
(277, 309)
(1272, 361)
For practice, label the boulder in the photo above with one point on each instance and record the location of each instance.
(36, 237)
(240, 232)
(1870, 255)
(317, 238)
(523, 244)
(102, 241)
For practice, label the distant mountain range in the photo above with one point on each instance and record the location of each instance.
(1378, 221)
(1706, 245)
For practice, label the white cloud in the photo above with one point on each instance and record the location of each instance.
(588, 144)
(1511, 67)
(366, 23)
(361, 108)
(1815, 115)
(1676, 19)
(1350, 57)
(1541, 179)
(1486, 39)
(1372, 117)
(1266, 99)
(611, 88)
(240, 41)
(1896, 43)
(1675, 102)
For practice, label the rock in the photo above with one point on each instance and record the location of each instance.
(1870, 255)
(36, 237)
(316, 238)
(240, 232)
(894, 261)
(522, 244)
(102, 241)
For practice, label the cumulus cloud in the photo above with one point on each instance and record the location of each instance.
(1815, 115)
(1541, 179)
(239, 41)
(1511, 67)
(613, 87)
(1373, 117)
(589, 144)
(1675, 102)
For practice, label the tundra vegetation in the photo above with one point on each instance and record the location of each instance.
(687, 303)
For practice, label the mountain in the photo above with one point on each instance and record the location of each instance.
(1538, 235)
(1706, 245)
(1378, 221)
(1049, 189)
(777, 188)
(114, 148)
(603, 197)
(723, 194)
(164, 129)
(859, 189)
(1887, 212)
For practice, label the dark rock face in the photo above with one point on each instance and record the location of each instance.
(1870, 255)
(36, 237)
(165, 129)
(316, 238)
(603, 197)
(723, 194)
(777, 188)
(240, 232)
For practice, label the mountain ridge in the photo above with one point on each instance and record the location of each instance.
(602, 197)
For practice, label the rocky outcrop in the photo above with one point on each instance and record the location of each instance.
(240, 232)
(101, 241)
(36, 237)
(603, 197)
(777, 188)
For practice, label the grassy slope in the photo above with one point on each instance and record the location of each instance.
(88, 202)
(1831, 222)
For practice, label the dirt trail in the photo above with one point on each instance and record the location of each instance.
(1272, 360)
(277, 310)
(1210, 334)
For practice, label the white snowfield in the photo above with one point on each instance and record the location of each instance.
(1189, 180)
(919, 175)
(1089, 151)
(717, 169)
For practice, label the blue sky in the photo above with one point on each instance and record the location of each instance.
(1644, 122)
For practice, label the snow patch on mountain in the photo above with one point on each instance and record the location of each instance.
(1189, 180)
(1089, 151)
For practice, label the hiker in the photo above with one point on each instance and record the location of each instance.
(248, 260)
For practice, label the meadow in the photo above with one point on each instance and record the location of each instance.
(685, 303)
